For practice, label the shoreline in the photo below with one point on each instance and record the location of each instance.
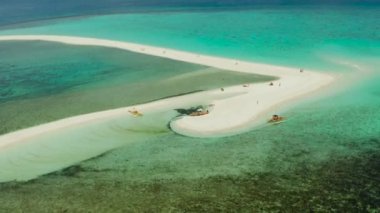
(229, 114)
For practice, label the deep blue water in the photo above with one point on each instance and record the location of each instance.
(20, 11)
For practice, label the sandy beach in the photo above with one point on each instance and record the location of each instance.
(228, 115)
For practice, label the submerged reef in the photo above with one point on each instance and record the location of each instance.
(344, 184)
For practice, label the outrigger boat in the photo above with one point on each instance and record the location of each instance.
(196, 111)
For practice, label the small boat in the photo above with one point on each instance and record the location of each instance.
(276, 119)
(135, 113)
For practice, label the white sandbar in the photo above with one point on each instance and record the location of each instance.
(227, 116)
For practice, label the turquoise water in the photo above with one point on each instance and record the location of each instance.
(324, 158)
(317, 35)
